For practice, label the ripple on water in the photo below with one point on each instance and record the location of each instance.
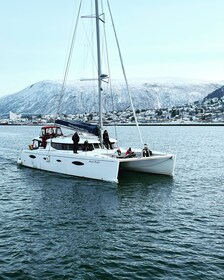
(147, 227)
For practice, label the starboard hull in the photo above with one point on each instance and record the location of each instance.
(162, 164)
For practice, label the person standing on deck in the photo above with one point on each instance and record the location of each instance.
(106, 140)
(75, 139)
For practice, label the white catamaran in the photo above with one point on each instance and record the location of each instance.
(92, 157)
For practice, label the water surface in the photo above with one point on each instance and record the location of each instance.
(145, 227)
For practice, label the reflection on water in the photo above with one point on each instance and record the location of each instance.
(126, 177)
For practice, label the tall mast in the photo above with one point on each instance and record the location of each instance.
(99, 69)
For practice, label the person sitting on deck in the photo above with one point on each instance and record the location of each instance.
(86, 146)
(118, 152)
(129, 153)
(146, 152)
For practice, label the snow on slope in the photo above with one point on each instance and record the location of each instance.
(43, 97)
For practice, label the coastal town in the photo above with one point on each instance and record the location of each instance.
(208, 111)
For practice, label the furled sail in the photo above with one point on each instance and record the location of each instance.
(80, 126)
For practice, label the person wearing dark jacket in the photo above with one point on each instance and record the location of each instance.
(106, 140)
(75, 139)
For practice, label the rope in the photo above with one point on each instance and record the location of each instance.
(109, 73)
(124, 73)
(69, 59)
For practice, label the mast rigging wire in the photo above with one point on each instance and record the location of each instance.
(124, 73)
(109, 73)
(69, 59)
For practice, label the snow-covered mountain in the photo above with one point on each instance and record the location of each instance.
(44, 97)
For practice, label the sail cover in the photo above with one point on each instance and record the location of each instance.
(80, 126)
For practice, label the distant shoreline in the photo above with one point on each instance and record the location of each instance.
(133, 124)
(168, 124)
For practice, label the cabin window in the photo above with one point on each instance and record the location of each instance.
(86, 147)
(69, 147)
(60, 146)
(96, 146)
(36, 144)
(32, 156)
(51, 131)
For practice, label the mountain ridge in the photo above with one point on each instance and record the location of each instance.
(216, 93)
(43, 97)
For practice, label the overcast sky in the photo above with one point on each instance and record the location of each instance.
(162, 38)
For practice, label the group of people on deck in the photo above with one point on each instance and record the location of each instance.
(106, 141)
(129, 153)
(75, 139)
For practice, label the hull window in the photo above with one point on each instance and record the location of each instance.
(32, 156)
(78, 163)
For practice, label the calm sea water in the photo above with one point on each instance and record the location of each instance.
(145, 227)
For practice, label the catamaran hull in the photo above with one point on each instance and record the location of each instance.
(163, 164)
(95, 167)
(105, 169)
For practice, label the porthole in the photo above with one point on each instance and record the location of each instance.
(32, 156)
(78, 163)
